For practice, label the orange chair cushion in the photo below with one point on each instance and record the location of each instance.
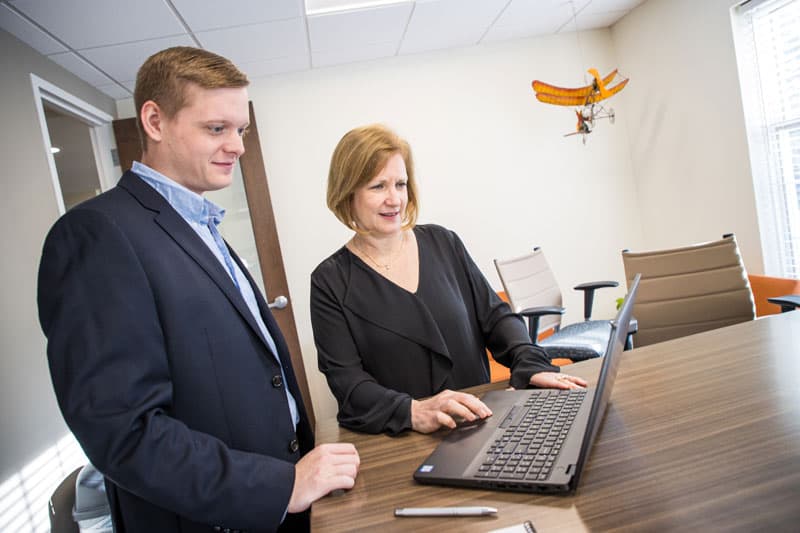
(764, 287)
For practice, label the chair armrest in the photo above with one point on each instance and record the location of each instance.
(543, 310)
(534, 313)
(588, 294)
(789, 302)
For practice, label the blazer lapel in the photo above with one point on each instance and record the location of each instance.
(173, 224)
(277, 336)
(266, 314)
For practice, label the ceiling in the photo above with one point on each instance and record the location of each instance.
(105, 41)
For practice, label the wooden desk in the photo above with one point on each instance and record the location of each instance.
(703, 433)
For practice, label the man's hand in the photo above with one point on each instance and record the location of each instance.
(440, 410)
(325, 468)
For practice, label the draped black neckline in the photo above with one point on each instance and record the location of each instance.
(387, 305)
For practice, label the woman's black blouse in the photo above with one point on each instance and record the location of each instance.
(379, 345)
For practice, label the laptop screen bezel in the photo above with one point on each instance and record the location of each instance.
(606, 378)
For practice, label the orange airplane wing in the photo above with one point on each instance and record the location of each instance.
(562, 100)
(610, 92)
(580, 99)
(546, 88)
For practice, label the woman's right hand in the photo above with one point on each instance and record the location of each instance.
(442, 410)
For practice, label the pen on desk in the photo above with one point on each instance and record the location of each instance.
(444, 511)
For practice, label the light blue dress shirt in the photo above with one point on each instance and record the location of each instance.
(197, 211)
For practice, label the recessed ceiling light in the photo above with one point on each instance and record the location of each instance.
(318, 7)
(54, 149)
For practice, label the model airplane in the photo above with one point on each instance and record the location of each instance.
(587, 98)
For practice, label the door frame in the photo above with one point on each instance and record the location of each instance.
(100, 132)
(268, 246)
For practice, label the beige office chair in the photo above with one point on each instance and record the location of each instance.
(533, 292)
(688, 290)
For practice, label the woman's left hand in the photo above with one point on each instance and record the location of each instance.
(556, 380)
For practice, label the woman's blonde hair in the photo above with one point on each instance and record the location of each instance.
(359, 156)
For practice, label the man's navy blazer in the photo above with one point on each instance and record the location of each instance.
(162, 373)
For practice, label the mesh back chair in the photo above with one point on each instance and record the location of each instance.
(688, 290)
(533, 292)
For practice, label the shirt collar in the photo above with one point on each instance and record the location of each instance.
(190, 205)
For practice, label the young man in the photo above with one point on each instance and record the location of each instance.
(166, 362)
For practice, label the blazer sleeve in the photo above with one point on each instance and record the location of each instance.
(364, 404)
(112, 380)
(503, 330)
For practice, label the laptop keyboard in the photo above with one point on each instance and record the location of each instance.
(533, 434)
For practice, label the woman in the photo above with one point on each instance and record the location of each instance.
(401, 311)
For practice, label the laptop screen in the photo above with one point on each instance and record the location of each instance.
(605, 381)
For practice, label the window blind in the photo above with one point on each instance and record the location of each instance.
(768, 53)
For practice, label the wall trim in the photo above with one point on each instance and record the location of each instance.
(98, 121)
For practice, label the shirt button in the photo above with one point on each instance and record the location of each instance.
(294, 446)
(277, 381)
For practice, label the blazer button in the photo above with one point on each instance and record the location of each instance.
(277, 381)
(294, 446)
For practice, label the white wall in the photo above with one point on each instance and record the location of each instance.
(684, 116)
(30, 421)
(491, 160)
(492, 163)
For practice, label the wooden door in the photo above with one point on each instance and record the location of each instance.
(265, 234)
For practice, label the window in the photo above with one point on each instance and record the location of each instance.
(768, 52)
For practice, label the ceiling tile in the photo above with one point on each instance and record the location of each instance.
(122, 61)
(91, 23)
(257, 42)
(211, 14)
(599, 6)
(592, 21)
(79, 67)
(339, 56)
(528, 18)
(447, 23)
(115, 91)
(352, 29)
(26, 32)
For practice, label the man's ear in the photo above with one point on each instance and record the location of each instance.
(152, 118)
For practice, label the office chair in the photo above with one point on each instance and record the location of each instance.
(533, 292)
(61, 504)
(790, 302)
(774, 294)
(690, 289)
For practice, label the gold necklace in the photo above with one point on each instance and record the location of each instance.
(384, 266)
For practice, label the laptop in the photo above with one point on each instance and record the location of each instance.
(538, 440)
